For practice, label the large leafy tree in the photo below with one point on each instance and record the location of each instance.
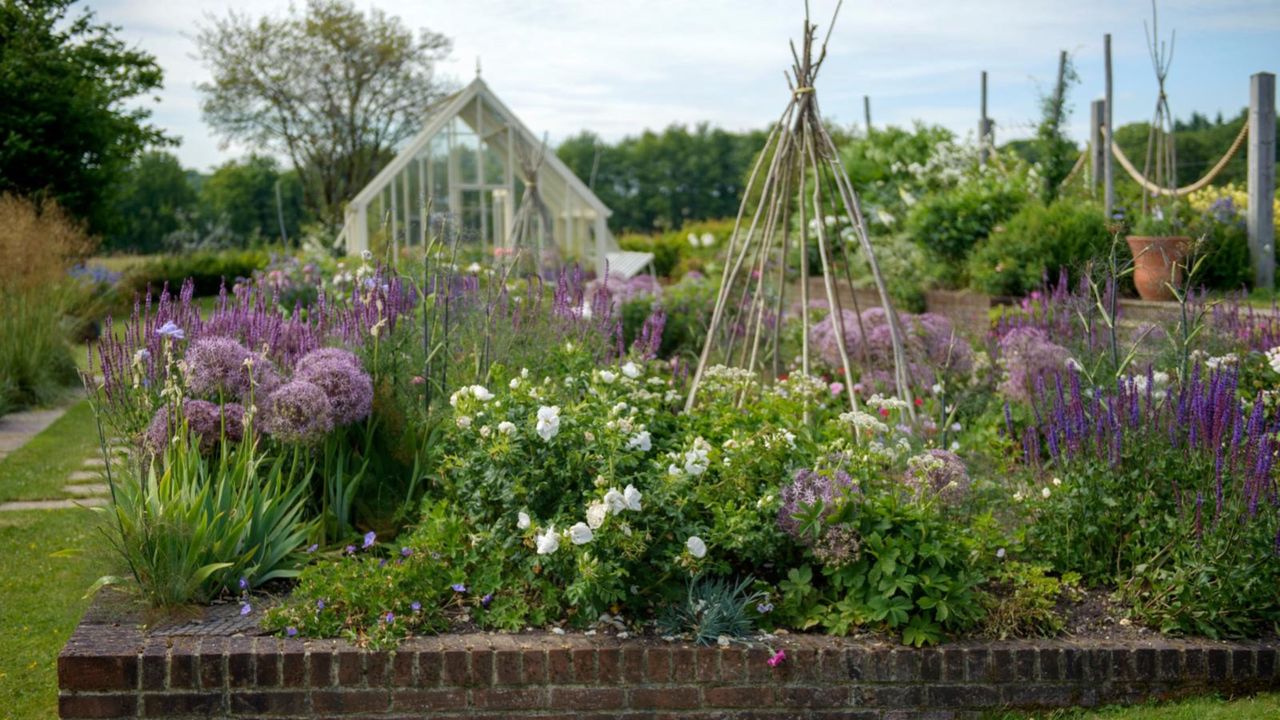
(152, 200)
(332, 88)
(69, 120)
(244, 195)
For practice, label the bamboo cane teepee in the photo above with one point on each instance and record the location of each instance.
(1161, 164)
(797, 177)
(530, 242)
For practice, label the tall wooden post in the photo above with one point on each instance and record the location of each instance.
(1262, 178)
(1097, 146)
(984, 125)
(1108, 171)
(866, 111)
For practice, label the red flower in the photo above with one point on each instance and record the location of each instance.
(884, 412)
(919, 402)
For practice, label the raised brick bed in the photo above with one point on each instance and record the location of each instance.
(112, 667)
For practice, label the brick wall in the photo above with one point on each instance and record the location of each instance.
(112, 668)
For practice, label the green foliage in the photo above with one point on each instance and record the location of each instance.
(949, 224)
(68, 106)
(36, 366)
(263, 91)
(1056, 152)
(244, 194)
(153, 198)
(190, 527)
(661, 181)
(1023, 601)
(695, 246)
(1035, 243)
(713, 608)
(688, 306)
(208, 269)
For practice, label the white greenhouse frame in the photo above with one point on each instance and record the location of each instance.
(466, 157)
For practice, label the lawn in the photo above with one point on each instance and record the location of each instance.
(1262, 707)
(51, 558)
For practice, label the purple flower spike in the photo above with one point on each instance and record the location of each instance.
(369, 539)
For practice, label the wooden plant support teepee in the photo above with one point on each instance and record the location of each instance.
(803, 179)
(1160, 145)
(531, 226)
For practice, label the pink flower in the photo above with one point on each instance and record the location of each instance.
(777, 658)
(418, 380)
(837, 388)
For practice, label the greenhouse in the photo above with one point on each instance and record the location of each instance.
(467, 173)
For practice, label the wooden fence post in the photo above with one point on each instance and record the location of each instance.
(984, 125)
(1097, 146)
(1262, 178)
(1108, 174)
(866, 111)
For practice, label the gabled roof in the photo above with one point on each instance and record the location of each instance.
(450, 107)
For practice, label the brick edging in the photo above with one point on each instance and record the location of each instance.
(111, 668)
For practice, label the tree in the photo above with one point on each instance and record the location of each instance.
(69, 123)
(332, 88)
(154, 196)
(244, 195)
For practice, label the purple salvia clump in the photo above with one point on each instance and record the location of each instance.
(298, 413)
(649, 341)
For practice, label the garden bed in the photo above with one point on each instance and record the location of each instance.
(213, 665)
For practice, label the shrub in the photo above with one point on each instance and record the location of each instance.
(1024, 601)
(949, 224)
(1035, 243)
(207, 270)
(676, 253)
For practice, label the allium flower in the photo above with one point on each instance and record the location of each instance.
(938, 472)
(839, 545)
(548, 424)
(207, 420)
(808, 488)
(324, 356)
(696, 547)
(298, 413)
(370, 538)
(216, 367)
(348, 387)
(522, 520)
(1027, 355)
(547, 542)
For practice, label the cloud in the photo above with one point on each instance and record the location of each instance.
(618, 67)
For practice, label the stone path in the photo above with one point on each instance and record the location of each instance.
(86, 487)
(19, 427)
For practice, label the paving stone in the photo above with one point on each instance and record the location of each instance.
(88, 490)
(84, 476)
(18, 505)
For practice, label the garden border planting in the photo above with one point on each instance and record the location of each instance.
(112, 667)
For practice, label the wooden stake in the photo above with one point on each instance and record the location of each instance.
(1262, 178)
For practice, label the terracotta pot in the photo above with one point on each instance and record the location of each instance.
(1157, 264)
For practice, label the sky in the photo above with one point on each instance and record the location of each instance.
(619, 67)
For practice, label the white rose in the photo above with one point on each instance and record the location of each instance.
(522, 520)
(547, 542)
(608, 377)
(641, 441)
(548, 424)
(507, 428)
(631, 370)
(580, 534)
(464, 421)
(481, 393)
(696, 547)
(515, 383)
(615, 501)
(596, 513)
(632, 497)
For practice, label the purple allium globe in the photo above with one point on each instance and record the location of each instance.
(806, 489)
(940, 473)
(338, 374)
(1027, 356)
(298, 413)
(932, 346)
(209, 422)
(216, 368)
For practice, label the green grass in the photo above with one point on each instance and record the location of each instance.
(50, 558)
(1261, 707)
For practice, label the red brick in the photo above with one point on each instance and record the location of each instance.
(584, 665)
(454, 668)
(97, 706)
(588, 698)
(658, 665)
(608, 665)
(743, 696)
(213, 672)
(293, 665)
(97, 672)
(733, 664)
(813, 697)
(182, 664)
(509, 698)
(534, 667)
(402, 669)
(663, 698)
(632, 661)
(240, 672)
(430, 666)
(154, 662)
(350, 668)
(350, 701)
(377, 669)
(684, 666)
(171, 704)
(423, 700)
(482, 667)
(268, 703)
(506, 667)
(320, 662)
(708, 660)
(559, 666)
